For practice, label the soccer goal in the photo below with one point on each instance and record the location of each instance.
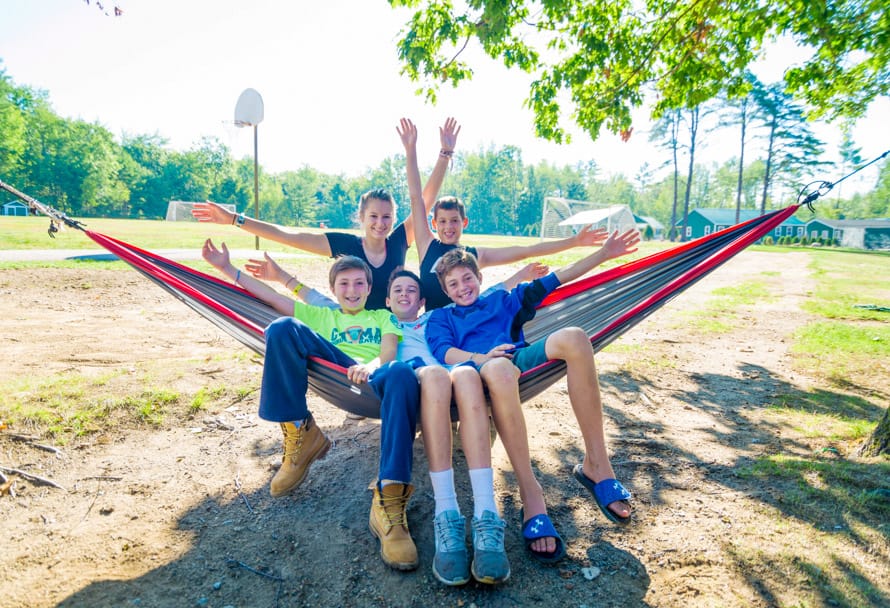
(563, 217)
(181, 211)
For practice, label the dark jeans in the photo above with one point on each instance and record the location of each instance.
(290, 343)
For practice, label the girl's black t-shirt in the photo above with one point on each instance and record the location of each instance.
(342, 243)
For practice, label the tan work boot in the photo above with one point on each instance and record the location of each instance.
(302, 446)
(389, 523)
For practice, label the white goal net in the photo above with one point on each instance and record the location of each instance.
(181, 211)
(563, 217)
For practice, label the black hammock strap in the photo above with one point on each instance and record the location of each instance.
(605, 305)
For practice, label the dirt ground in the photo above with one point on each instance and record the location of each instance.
(179, 514)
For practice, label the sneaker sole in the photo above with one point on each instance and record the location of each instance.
(321, 453)
(451, 583)
(487, 580)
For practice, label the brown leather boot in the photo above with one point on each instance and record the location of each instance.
(302, 446)
(389, 523)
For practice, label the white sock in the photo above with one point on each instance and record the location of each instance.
(482, 481)
(443, 491)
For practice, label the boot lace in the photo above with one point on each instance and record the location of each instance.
(393, 508)
(293, 441)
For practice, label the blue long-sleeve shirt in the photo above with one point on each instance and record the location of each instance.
(489, 321)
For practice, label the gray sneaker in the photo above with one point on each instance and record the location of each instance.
(490, 564)
(451, 563)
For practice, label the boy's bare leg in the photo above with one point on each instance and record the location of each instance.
(435, 416)
(475, 437)
(572, 346)
(501, 377)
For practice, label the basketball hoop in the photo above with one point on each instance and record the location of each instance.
(249, 109)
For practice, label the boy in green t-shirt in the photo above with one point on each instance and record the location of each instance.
(363, 341)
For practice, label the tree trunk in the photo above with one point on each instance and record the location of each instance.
(879, 442)
(672, 235)
(769, 162)
(738, 193)
(693, 130)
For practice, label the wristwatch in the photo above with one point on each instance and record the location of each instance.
(239, 220)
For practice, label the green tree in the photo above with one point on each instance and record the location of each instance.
(877, 203)
(12, 127)
(610, 56)
(667, 130)
(145, 175)
(490, 187)
(851, 157)
(741, 111)
(791, 148)
(300, 189)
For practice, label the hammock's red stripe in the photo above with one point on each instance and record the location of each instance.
(699, 270)
(605, 276)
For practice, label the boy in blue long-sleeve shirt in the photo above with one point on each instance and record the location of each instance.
(487, 332)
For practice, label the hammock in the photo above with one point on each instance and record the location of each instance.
(605, 305)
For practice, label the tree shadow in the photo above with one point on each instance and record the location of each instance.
(821, 490)
(314, 548)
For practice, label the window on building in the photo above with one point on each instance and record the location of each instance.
(707, 230)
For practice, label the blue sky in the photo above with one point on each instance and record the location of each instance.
(327, 72)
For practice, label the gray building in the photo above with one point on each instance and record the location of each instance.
(857, 234)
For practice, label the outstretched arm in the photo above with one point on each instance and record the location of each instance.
(615, 246)
(217, 214)
(219, 259)
(268, 269)
(529, 272)
(422, 233)
(586, 237)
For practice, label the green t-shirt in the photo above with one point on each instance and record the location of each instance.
(357, 335)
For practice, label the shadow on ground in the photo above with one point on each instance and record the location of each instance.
(256, 551)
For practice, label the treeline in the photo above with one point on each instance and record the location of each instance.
(80, 168)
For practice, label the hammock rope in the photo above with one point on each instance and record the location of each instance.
(604, 305)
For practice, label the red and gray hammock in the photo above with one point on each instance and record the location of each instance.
(605, 305)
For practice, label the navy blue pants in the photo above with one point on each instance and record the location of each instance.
(290, 343)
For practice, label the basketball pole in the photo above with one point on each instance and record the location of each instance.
(256, 183)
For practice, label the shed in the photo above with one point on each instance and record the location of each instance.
(15, 207)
